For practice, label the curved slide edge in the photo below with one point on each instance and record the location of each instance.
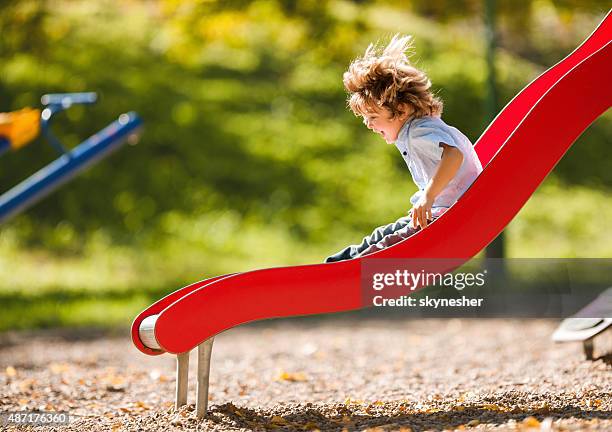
(505, 122)
(256, 295)
(160, 305)
(534, 148)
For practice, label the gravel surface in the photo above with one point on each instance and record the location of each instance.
(326, 374)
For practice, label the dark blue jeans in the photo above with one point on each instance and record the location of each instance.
(381, 238)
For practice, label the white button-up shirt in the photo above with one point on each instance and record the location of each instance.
(419, 143)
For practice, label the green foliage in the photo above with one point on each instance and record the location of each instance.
(243, 105)
(249, 157)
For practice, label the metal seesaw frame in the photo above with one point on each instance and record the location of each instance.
(71, 162)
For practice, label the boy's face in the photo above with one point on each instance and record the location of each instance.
(380, 121)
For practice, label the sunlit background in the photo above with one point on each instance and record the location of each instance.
(249, 156)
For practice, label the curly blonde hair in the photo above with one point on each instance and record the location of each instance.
(388, 79)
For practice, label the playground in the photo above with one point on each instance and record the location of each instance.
(335, 373)
(208, 233)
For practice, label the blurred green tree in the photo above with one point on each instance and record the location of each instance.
(244, 106)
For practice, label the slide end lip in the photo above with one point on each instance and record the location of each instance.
(137, 339)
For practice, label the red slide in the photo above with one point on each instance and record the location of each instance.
(520, 147)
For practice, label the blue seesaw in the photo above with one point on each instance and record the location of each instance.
(71, 162)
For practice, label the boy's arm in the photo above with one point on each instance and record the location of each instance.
(451, 161)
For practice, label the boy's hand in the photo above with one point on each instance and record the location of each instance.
(421, 212)
(451, 161)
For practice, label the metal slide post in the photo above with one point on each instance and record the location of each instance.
(204, 354)
(182, 379)
(588, 348)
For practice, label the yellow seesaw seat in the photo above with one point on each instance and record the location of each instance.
(20, 127)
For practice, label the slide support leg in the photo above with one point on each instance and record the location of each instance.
(182, 376)
(587, 345)
(204, 353)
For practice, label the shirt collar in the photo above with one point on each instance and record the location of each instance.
(402, 135)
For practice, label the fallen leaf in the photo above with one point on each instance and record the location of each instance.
(27, 384)
(384, 427)
(293, 377)
(11, 371)
(531, 422)
(278, 420)
(544, 408)
(141, 404)
(115, 380)
(115, 388)
(58, 368)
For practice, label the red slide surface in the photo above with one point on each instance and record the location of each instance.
(520, 147)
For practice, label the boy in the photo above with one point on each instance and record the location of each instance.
(395, 101)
